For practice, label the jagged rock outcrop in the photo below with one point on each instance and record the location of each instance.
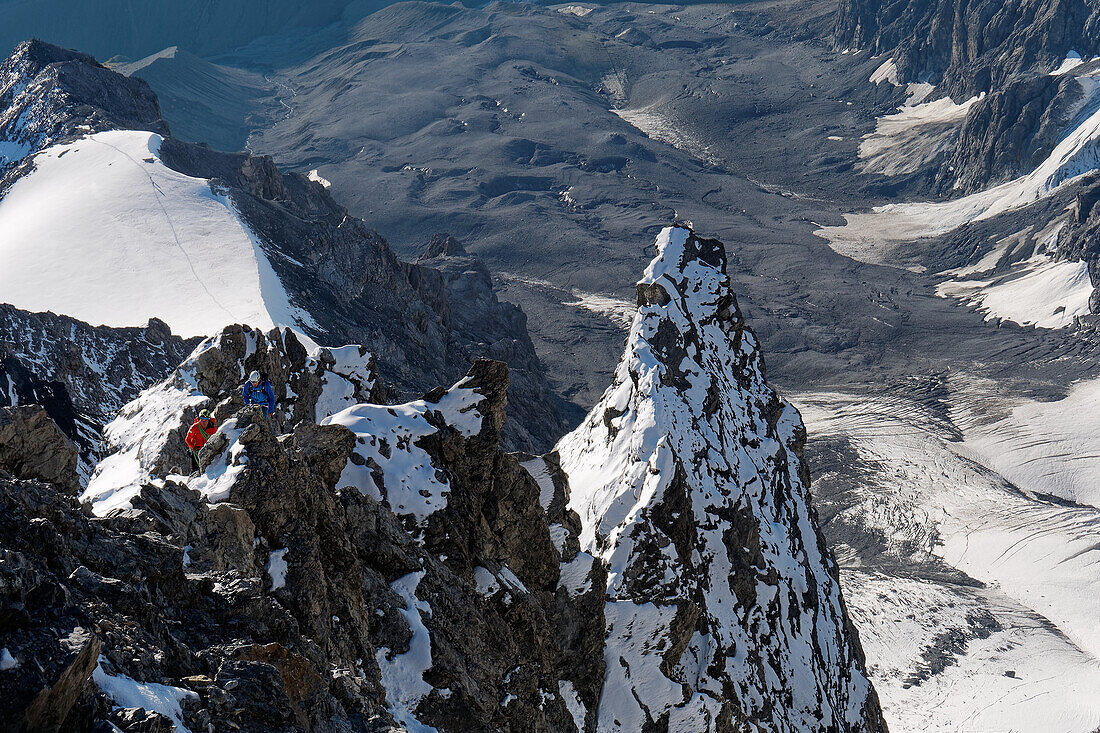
(724, 609)
(81, 374)
(341, 278)
(970, 47)
(295, 600)
(146, 438)
(1003, 51)
(33, 447)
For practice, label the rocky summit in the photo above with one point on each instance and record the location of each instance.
(352, 565)
(689, 480)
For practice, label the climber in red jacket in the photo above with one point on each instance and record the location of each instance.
(200, 432)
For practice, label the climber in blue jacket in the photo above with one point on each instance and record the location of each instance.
(258, 391)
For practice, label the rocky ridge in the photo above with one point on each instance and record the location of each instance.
(81, 374)
(1005, 53)
(348, 565)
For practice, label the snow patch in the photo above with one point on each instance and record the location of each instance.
(1039, 292)
(541, 473)
(877, 237)
(129, 693)
(403, 674)
(316, 177)
(575, 575)
(618, 311)
(888, 72)
(913, 136)
(387, 437)
(1071, 62)
(276, 568)
(568, 693)
(7, 661)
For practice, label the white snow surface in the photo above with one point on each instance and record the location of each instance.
(7, 661)
(913, 136)
(726, 459)
(403, 674)
(1041, 292)
(129, 693)
(932, 497)
(387, 436)
(575, 574)
(137, 435)
(1071, 62)
(618, 311)
(573, 701)
(1044, 447)
(887, 71)
(103, 231)
(276, 568)
(541, 473)
(316, 177)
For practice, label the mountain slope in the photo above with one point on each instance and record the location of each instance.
(81, 374)
(108, 219)
(724, 605)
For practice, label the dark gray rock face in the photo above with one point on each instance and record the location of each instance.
(50, 94)
(178, 592)
(499, 328)
(1003, 50)
(331, 264)
(1079, 239)
(33, 447)
(205, 96)
(970, 47)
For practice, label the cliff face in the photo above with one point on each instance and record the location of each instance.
(724, 610)
(388, 567)
(1003, 51)
(81, 374)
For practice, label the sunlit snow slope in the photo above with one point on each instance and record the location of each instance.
(103, 231)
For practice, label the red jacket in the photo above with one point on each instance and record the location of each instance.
(199, 433)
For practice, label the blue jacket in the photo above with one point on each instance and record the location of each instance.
(260, 395)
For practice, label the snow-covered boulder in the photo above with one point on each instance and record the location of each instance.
(724, 609)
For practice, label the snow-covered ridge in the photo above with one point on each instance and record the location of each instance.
(145, 441)
(104, 231)
(689, 483)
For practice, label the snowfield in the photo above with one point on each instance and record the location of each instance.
(1019, 648)
(103, 231)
